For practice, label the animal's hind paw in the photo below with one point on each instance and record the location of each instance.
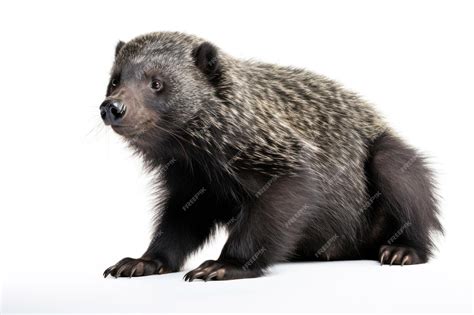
(218, 270)
(398, 255)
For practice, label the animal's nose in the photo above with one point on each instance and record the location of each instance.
(112, 111)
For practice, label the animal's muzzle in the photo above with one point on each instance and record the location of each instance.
(112, 111)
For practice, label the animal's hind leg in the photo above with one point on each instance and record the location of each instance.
(407, 203)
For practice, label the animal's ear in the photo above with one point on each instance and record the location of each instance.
(207, 60)
(119, 46)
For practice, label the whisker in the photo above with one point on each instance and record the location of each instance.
(99, 127)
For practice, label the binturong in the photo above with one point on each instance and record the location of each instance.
(293, 165)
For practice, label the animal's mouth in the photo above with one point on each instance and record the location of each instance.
(123, 130)
(130, 132)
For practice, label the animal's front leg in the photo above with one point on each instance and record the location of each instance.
(254, 244)
(177, 235)
(246, 254)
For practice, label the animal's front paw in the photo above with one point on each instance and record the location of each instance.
(130, 267)
(218, 270)
(399, 255)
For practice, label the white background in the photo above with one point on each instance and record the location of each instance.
(74, 200)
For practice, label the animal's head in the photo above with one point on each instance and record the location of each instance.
(158, 83)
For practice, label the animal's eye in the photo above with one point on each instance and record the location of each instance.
(156, 85)
(114, 82)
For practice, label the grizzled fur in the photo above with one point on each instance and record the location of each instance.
(292, 164)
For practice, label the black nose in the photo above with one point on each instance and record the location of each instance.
(112, 111)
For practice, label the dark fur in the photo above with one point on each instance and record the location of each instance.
(275, 210)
